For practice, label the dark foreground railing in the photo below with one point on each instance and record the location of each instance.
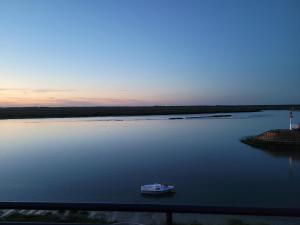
(158, 208)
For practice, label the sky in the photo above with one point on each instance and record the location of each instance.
(149, 52)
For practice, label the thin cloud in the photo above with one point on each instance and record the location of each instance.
(38, 90)
(81, 101)
(52, 90)
(11, 89)
(124, 90)
(84, 101)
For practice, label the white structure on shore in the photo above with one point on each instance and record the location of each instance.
(291, 117)
(293, 126)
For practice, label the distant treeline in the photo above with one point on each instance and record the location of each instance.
(64, 112)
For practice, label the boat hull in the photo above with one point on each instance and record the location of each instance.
(157, 189)
(156, 192)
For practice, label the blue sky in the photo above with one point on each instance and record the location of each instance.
(123, 52)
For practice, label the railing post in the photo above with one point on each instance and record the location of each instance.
(169, 218)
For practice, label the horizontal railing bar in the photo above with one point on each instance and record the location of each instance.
(163, 208)
(46, 223)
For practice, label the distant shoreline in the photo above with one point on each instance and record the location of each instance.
(72, 112)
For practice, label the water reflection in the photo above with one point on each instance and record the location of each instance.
(279, 151)
(158, 197)
(292, 153)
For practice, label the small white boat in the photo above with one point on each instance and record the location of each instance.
(154, 189)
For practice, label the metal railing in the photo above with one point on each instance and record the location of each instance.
(158, 208)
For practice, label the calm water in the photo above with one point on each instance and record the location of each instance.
(107, 159)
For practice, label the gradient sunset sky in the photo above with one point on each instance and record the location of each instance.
(124, 52)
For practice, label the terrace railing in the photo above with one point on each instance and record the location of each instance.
(155, 208)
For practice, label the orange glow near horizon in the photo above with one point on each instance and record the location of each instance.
(51, 97)
(25, 97)
(18, 89)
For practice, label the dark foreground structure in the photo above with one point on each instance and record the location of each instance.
(167, 209)
(65, 112)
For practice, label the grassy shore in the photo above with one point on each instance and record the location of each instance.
(67, 112)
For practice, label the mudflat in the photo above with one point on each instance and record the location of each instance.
(67, 112)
